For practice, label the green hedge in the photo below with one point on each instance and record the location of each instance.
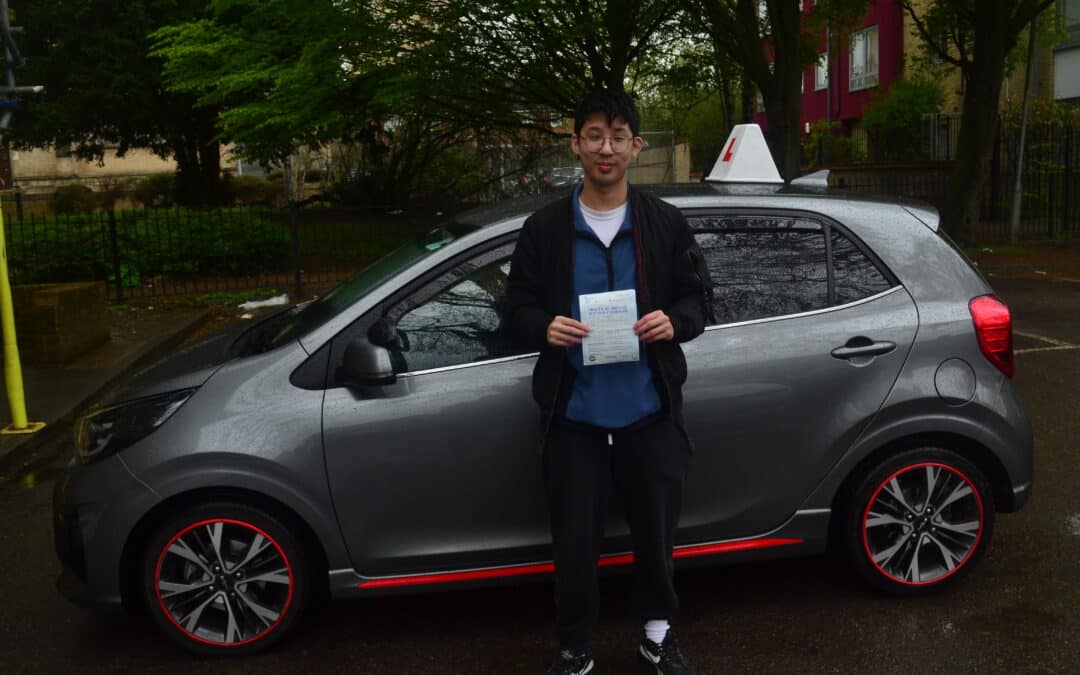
(187, 243)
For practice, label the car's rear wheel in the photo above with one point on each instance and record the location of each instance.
(919, 521)
(225, 579)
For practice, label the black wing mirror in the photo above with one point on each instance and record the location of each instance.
(367, 364)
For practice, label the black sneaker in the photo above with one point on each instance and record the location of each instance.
(666, 657)
(569, 663)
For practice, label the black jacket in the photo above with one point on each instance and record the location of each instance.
(672, 276)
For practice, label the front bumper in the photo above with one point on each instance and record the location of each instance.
(95, 509)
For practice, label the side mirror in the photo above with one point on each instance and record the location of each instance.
(367, 364)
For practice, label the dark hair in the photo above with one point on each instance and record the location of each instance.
(610, 104)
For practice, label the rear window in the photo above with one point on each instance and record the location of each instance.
(765, 267)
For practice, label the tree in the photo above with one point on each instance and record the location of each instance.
(978, 41)
(104, 90)
(272, 72)
(412, 82)
(495, 60)
(774, 41)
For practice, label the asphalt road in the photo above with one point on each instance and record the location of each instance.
(1017, 613)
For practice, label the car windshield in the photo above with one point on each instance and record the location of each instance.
(304, 318)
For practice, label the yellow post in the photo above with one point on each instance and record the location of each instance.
(12, 366)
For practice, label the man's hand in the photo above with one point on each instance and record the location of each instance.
(565, 332)
(654, 327)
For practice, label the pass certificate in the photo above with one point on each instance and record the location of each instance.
(610, 318)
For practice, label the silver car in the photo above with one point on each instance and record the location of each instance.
(852, 391)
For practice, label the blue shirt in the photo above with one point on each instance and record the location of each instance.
(611, 395)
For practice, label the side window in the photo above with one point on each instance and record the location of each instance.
(459, 324)
(763, 267)
(855, 276)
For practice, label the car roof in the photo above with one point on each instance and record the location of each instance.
(828, 201)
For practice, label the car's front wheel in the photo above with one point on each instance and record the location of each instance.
(919, 521)
(225, 578)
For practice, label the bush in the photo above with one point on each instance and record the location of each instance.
(824, 146)
(73, 199)
(254, 190)
(894, 123)
(156, 191)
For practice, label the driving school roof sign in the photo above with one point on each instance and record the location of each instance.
(745, 158)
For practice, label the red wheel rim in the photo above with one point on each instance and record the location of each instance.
(223, 582)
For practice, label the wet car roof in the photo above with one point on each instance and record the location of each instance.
(703, 195)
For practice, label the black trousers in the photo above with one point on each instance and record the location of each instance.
(647, 466)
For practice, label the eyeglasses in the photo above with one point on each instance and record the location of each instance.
(595, 142)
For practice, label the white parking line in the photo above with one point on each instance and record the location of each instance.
(1058, 348)
(1035, 336)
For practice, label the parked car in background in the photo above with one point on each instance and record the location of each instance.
(852, 391)
(565, 176)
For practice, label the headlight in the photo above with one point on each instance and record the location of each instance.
(107, 431)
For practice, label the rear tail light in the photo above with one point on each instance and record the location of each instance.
(993, 328)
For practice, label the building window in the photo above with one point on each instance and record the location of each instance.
(864, 59)
(821, 72)
(1070, 12)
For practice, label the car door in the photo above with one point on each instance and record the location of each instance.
(810, 333)
(441, 469)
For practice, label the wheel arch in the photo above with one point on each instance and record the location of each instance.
(973, 451)
(136, 541)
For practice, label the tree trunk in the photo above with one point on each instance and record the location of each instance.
(783, 97)
(746, 99)
(975, 145)
(198, 172)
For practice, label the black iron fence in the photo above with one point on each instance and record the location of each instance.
(154, 252)
(1050, 206)
(1050, 177)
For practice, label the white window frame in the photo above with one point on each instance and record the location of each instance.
(863, 59)
(821, 72)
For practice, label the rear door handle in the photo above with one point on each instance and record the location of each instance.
(862, 346)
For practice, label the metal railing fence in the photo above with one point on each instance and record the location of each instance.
(157, 252)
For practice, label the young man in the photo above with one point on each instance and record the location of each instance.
(620, 420)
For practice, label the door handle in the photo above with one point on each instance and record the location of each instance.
(863, 346)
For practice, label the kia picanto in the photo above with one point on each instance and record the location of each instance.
(853, 391)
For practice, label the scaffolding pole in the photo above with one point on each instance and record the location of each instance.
(12, 365)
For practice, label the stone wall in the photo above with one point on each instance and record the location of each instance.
(56, 323)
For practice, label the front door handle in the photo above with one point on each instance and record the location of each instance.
(863, 346)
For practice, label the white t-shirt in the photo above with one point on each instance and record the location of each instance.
(604, 223)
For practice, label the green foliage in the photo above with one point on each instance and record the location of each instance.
(102, 89)
(174, 244)
(823, 146)
(74, 198)
(155, 191)
(275, 67)
(1043, 112)
(250, 190)
(894, 121)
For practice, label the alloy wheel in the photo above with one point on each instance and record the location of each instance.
(922, 524)
(224, 582)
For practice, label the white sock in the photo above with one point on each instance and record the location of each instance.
(656, 630)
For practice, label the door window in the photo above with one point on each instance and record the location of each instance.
(763, 267)
(460, 323)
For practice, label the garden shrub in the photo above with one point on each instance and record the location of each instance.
(156, 191)
(254, 190)
(74, 198)
(894, 122)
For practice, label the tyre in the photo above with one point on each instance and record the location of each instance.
(225, 579)
(918, 521)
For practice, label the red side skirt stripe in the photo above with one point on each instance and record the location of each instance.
(547, 568)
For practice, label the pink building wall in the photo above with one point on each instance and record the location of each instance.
(847, 106)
